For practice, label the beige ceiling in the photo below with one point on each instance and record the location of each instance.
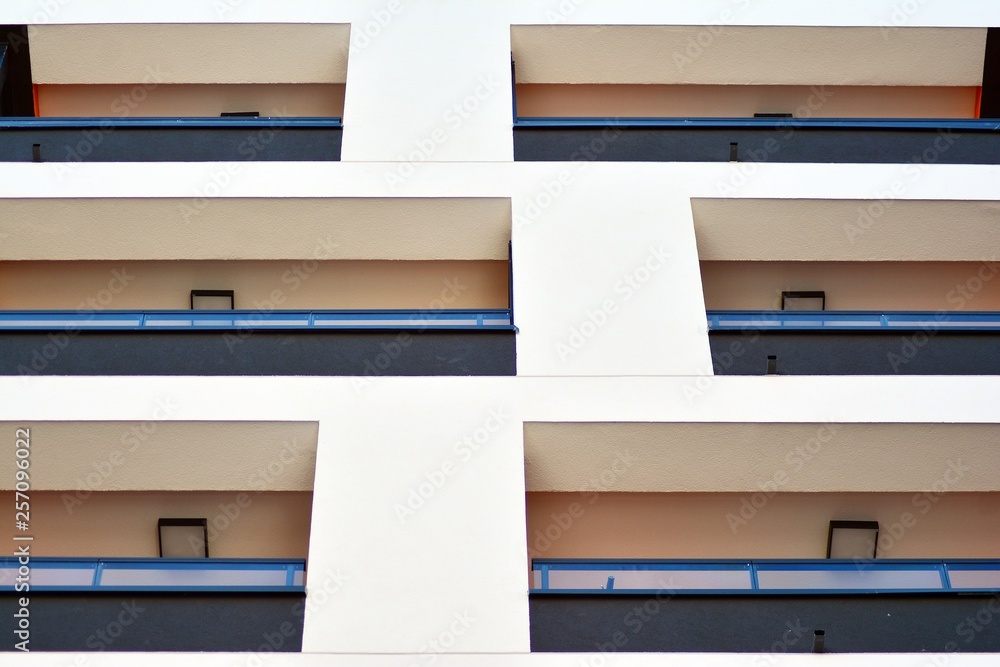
(785, 55)
(744, 456)
(167, 456)
(240, 228)
(190, 53)
(846, 229)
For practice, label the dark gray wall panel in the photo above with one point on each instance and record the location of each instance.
(258, 353)
(104, 143)
(857, 353)
(761, 623)
(102, 621)
(616, 144)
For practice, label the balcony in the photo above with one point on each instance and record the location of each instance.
(91, 93)
(313, 286)
(329, 342)
(793, 606)
(854, 343)
(755, 94)
(157, 604)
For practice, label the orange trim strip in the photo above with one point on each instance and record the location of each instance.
(34, 93)
(979, 100)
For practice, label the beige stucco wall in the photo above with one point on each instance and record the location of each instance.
(190, 53)
(259, 285)
(157, 455)
(742, 100)
(740, 54)
(123, 524)
(243, 228)
(125, 100)
(883, 228)
(781, 525)
(854, 285)
(740, 457)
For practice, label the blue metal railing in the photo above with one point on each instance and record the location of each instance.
(152, 574)
(922, 124)
(769, 576)
(244, 320)
(851, 320)
(166, 123)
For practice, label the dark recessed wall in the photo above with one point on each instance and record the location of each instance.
(107, 141)
(103, 621)
(258, 353)
(765, 624)
(617, 143)
(856, 353)
(17, 97)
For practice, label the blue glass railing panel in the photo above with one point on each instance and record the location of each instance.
(26, 320)
(152, 574)
(851, 320)
(834, 576)
(974, 575)
(770, 576)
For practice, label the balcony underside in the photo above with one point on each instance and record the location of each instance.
(761, 623)
(757, 140)
(169, 140)
(856, 352)
(237, 352)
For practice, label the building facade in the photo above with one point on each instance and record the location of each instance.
(563, 332)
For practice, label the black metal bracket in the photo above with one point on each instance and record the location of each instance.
(195, 293)
(821, 295)
(855, 525)
(187, 523)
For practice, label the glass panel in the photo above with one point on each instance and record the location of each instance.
(50, 576)
(156, 322)
(69, 323)
(182, 541)
(651, 579)
(803, 303)
(974, 578)
(7, 575)
(853, 543)
(211, 303)
(852, 578)
(190, 577)
(273, 322)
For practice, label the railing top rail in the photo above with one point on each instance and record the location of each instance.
(925, 124)
(248, 563)
(612, 563)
